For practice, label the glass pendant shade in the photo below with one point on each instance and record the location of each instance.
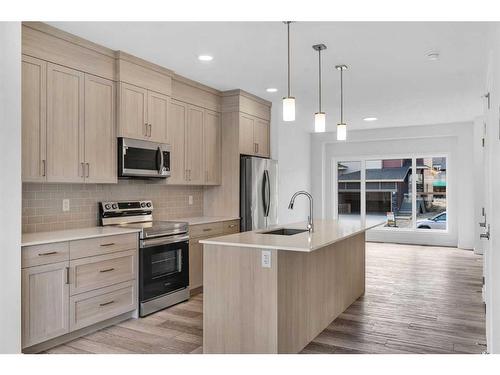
(341, 132)
(289, 108)
(319, 122)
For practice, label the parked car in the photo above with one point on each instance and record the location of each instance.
(435, 222)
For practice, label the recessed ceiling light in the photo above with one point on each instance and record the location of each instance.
(205, 58)
(370, 119)
(271, 89)
(433, 55)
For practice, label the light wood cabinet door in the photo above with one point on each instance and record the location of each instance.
(34, 125)
(158, 116)
(212, 147)
(65, 114)
(100, 139)
(194, 146)
(176, 138)
(132, 121)
(45, 302)
(261, 137)
(247, 144)
(195, 264)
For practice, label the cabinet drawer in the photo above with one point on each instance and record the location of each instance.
(103, 245)
(102, 271)
(205, 230)
(44, 254)
(232, 226)
(98, 305)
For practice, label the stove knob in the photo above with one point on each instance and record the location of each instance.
(115, 206)
(148, 204)
(107, 206)
(143, 204)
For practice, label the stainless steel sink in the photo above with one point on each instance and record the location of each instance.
(285, 231)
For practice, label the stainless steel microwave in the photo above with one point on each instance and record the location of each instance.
(143, 159)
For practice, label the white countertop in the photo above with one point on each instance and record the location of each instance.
(29, 239)
(325, 233)
(206, 219)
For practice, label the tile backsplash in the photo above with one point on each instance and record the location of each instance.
(42, 203)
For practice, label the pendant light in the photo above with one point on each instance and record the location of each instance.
(341, 127)
(288, 101)
(319, 117)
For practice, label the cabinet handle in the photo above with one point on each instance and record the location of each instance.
(232, 225)
(82, 164)
(49, 253)
(67, 276)
(189, 174)
(146, 129)
(150, 129)
(44, 168)
(106, 303)
(88, 169)
(107, 244)
(207, 229)
(257, 145)
(107, 270)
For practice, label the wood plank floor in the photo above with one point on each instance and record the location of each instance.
(418, 299)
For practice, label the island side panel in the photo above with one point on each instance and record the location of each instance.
(239, 301)
(315, 288)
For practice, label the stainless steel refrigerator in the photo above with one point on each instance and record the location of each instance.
(258, 193)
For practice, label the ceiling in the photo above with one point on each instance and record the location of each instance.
(389, 75)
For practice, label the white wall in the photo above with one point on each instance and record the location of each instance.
(10, 187)
(492, 196)
(455, 140)
(291, 146)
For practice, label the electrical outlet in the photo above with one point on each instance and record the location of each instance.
(190, 200)
(65, 205)
(266, 259)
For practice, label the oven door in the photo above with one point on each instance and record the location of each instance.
(138, 158)
(163, 267)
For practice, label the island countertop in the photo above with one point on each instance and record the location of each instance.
(326, 232)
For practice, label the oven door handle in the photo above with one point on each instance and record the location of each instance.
(163, 240)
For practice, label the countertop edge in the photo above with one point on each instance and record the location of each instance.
(76, 237)
(210, 241)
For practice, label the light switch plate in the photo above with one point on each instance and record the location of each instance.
(65, 205)
(266, 258)
(190, 200)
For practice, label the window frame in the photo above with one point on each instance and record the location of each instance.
(413, 156)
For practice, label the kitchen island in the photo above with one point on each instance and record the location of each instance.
(272, 293)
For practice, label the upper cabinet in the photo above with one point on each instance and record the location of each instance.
(99, 129)
(194, 135)
(34, 120)
(68, 124)
(132, 121)
(144, 97)
(254, 122)
(212, 147)
(194, 145)
(65, 128)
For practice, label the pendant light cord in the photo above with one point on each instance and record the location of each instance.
(319, 54)
(341, 97)
(288, 36)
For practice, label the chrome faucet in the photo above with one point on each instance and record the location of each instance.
(310, 224)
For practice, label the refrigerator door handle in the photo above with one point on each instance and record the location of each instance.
(266, 193)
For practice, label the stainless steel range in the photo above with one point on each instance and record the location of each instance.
(163, 253)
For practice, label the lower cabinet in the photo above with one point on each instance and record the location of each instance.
(45, 296)
(195, 264)
(59, 297)
(201, 232)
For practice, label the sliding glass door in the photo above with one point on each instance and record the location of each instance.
(349, 191)
(407, 193)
